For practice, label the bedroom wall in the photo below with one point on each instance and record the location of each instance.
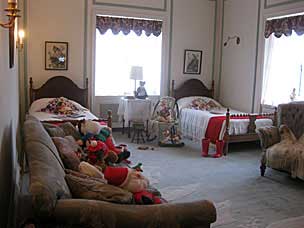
(9, 128)
(192, 28)
(240, 77)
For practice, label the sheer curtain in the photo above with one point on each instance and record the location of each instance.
(115, 54)
(284, 58)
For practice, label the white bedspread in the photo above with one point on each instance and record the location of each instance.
(194, 123)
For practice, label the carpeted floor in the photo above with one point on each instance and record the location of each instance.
(242, 197)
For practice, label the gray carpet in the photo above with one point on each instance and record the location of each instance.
(242, 197)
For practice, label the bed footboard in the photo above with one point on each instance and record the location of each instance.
(251, 134)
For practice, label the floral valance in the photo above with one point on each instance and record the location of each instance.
(125, 25)
(285, 26)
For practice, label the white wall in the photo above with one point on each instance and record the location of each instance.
(193, 28)
(56, 20)
(241, 72)
(9, 124)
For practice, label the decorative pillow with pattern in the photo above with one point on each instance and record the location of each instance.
(61, 106)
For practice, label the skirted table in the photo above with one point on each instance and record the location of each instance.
(134, 110)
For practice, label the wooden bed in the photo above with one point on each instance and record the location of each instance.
(61, 86)
(194, 87)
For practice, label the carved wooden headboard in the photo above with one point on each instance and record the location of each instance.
(60, 86)
(192, 87)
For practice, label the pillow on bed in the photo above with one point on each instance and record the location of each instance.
(45, 104)
(198, 102)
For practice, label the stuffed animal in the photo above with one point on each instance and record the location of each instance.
(132, 181)
(90, 129)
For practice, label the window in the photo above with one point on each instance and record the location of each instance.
(116, 54)
(283, 69)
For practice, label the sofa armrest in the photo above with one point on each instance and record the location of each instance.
(103, 214)
(268, 136)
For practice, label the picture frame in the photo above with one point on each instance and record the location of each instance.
(56, 55)
(192, 61)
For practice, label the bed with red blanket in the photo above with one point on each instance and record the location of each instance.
(203, 117)
(59, 100)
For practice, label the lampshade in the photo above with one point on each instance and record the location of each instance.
(136, 73)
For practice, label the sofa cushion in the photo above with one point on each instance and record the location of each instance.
(90, 170)
(288, 154)
(67, 148)
(90, 188)
(47, 183)
(61, 130)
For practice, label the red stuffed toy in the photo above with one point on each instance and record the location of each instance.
(133, 181)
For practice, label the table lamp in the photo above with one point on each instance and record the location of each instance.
(136, 74)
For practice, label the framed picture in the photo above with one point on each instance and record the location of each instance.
(192, 61)
(56, 55)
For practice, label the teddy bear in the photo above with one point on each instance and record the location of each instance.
(92, 130)
(132, 181)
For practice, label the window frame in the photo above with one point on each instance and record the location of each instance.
(125, 12)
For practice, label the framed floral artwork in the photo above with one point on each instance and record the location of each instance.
(56, 55)
(192, 61)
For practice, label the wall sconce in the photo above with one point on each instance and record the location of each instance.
(12, 13)
(20, 40)
(237, 38)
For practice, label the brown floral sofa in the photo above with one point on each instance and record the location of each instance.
(53, 203)
(283, 144)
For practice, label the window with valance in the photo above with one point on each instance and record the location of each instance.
(283, 60)
(122, 43)
(126, 25)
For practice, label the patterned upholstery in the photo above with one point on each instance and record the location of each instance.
(280, 152)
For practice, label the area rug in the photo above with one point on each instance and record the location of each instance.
(297, 222)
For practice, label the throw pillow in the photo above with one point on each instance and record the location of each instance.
(66, 147)
(86, 188)
(53, 130)
(69, 129)
(90, 170)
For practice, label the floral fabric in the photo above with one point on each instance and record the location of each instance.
(125, 25)
(165, 110)
(61, 106)
(201, 104)
(285, 26)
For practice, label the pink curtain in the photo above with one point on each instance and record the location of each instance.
(125, 25)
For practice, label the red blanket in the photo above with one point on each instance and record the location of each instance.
(215, 125)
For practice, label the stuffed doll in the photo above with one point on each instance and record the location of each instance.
(141, 92)
(93, 130)
(98, 153)
(132, 181)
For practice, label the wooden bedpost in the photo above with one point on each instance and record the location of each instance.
(86, 92)
(172, 88)
(226, 135)
(275, 117)
(212, 89)
(31, 91)
(109, 118)
(252, 126)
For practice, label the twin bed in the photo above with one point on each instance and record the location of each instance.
(203, 117)
(200, 115)
(62, 88)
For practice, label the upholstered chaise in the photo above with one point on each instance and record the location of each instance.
(54, 204)
(283, 144)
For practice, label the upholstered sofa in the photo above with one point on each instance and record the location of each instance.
(283, 144)
(52, 201)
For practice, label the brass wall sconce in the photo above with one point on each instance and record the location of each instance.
(236, 38)
(12, 13)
